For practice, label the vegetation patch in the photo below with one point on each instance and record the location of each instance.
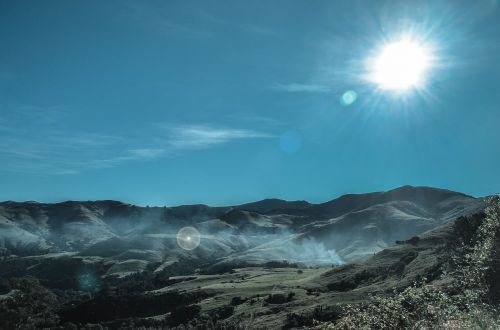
(469, 302)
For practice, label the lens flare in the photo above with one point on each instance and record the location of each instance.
(188, 238)
(348, 98)
(290, 141)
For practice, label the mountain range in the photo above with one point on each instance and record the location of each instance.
(107, 262)
(341, 230)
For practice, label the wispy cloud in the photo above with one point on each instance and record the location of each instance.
(177, 138)
(199, 136)
(55, 149)
(160, 18)
(295, 87)
(147, 153)
(260, 30)
(87, 139)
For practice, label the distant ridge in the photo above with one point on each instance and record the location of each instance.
(273, 204)
(353, 225)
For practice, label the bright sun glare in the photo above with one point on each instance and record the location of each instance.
(400, 65)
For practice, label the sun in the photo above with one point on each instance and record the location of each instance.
(400, 65)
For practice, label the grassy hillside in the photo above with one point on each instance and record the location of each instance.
(445, 277)
(464, 294)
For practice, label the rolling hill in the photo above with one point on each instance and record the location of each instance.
(268, 252)
(352, 226)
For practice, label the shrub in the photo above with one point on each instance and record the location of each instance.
(31, 306)
(276, 298)
(342, 285)
(223, 312)
(237, 301)
(319, 313)
(182, 314)
(4, 286)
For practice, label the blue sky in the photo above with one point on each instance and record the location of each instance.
(224, 102)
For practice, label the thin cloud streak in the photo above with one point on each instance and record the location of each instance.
(160, 19)
(189, 137)
(295, 87)
(73, 153)
(147, 153)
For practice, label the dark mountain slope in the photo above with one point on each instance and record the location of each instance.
(352, 226)
(274, 205)
(425, 197)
